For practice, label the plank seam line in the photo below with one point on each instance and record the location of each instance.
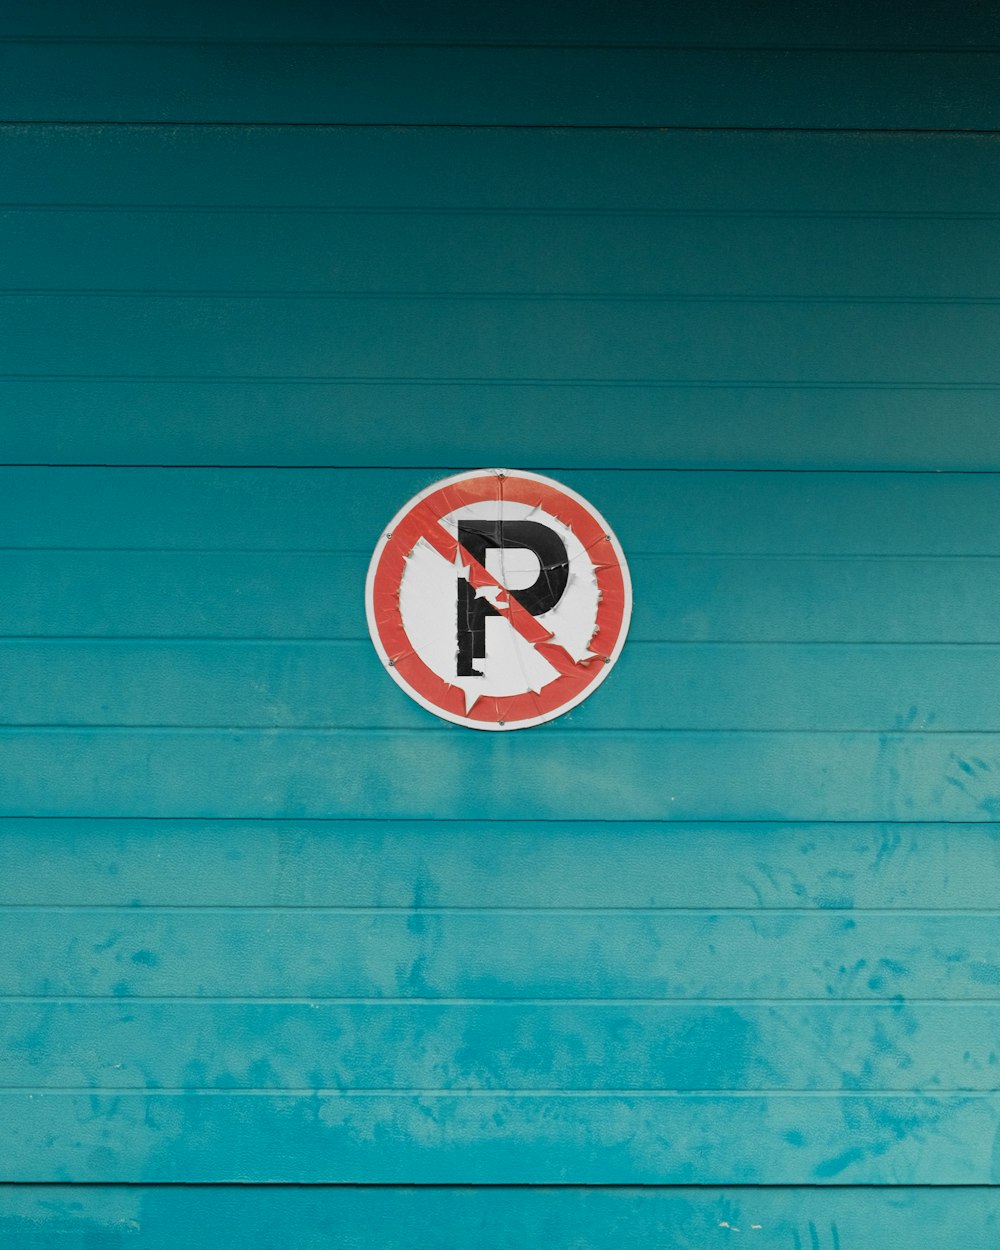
(499, 297)
(498, 210)
(554, 383)
(937, 1095)
(97, 642)
(818, 911)
(357, 553)
(653, 471)
(194, 641)
(12, 726)
(937, 474)
(130, 1002)
(562, 733)
(666, 827)
(110, 123)
(522, 1186)
(479, 44)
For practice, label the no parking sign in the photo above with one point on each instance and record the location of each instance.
(498, 599)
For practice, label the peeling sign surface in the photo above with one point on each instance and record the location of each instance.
(498, 599)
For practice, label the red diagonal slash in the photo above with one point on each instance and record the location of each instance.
(531, 630)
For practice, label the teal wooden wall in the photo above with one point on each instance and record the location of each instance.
(716, 956)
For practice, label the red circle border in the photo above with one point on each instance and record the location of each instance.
(388, 567)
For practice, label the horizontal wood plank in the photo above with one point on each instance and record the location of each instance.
(514, 1139)
(310, 595)
(725, 23)
(702, 686)
(652, 512)
(555, 426)
(431, 953)
(924, 1047)
(457, 169)
(509, 85)
(722, 253)
(445, 1218)
(547, 774)
(489, 340)
(465, 862)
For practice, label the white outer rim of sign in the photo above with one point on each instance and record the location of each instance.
(415, 695)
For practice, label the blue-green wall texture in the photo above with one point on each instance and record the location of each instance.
(714, 958)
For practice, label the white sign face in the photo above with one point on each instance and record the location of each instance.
(498, 599)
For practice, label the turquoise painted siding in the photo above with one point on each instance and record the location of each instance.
(813, 381)
(416, 1218)
(285, 959)
(488, 86)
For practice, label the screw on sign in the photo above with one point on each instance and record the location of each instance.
(498, 599)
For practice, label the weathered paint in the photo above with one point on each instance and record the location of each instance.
(732, 923)
(458, 864)
(906, 775)
(566, 1218)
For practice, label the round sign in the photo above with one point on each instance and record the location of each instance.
(498, 599)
